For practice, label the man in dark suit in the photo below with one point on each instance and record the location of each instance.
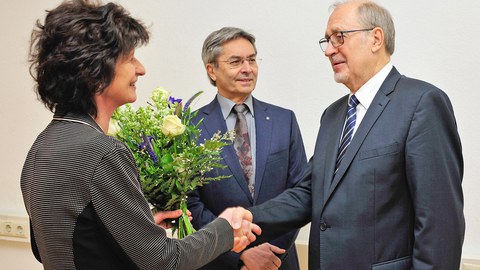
(390, 196)
(270, 158)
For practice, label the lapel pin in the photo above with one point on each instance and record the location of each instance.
(268, 117)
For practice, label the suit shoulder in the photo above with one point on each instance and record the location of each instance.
(203, 107)
(338, 103)
(415, 89)
(272, 107)
(411, 84)
(201, 112)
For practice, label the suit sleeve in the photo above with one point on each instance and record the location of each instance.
(298, 158)
(290, 210)
(121, 207)
(296, 168)
(434, 174)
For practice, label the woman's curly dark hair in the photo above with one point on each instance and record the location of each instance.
(73, 54)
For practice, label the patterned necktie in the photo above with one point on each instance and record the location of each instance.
(348, 129)
(242, 145)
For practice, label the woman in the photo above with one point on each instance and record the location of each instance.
(81, 187)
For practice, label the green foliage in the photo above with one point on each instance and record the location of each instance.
(170, 166)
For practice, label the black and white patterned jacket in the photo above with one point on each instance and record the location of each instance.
(81, 190)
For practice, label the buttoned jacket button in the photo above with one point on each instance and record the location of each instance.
(323, 226)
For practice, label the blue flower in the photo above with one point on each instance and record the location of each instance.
(147, 145)
(173, 100)
(142, 145)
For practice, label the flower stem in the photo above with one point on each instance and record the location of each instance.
(184, 225)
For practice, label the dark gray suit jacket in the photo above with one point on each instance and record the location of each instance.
(396, 201)
(280, 162)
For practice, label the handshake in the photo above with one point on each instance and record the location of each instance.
(243, 229)
(239, 218)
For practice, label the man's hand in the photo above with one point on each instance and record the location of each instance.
(164, 218)
(243, 229)
(262, 257)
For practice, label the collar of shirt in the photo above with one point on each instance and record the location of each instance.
(226, 105)
(367, 92)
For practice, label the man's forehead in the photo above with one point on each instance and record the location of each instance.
(341, 19)
(243, 50)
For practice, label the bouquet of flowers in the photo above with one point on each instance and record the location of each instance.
(170, 160)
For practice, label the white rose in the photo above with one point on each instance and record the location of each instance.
(113, 127)
(160, 93)
(172, 126)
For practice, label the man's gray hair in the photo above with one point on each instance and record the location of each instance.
(373, 15)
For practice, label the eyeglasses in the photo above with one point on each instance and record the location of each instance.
(236, 62)
(337, 38)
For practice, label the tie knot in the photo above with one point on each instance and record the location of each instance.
(240, 108)
(353, 101)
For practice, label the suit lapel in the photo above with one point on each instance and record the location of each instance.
(213, 122)
(334, 133)
(379, 103)
(263, 134)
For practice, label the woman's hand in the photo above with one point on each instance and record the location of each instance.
(164, 218)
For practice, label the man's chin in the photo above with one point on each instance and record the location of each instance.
(340, 77)
(247, 89)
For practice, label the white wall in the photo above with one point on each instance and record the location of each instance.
(437, 41)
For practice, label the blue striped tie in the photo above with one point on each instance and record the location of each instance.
(347, 130)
